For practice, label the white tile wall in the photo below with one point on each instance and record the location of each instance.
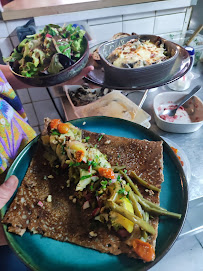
(170, 11)
(106, 31)
(105, 20)
(186, 20)
(15, 41)
(138, 15)
(140, 26)
(3, 30)
(6, 46)
(169, 23)
(107, 12)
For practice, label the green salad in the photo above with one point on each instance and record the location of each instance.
(49, 51)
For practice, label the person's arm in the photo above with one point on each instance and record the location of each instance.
(17, 84)
(13, 81)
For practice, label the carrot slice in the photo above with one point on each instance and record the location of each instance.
(53, 124)
(63, 128)
(106, 172)
(144, 250)
(79, 155)
(175, 150)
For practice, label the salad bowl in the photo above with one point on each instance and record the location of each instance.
(60, 64)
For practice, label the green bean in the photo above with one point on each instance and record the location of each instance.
(132, 185)
(117, 168)
(144, 183)
(136, 206)
(156, 211)
(146, 216)
(115, 192)
(147, 205)
(144, 234)
(133, 218)
(152, 204)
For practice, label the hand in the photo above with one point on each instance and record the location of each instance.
(7, 189)
(17, 84)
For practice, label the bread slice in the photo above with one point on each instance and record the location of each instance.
(44, 204)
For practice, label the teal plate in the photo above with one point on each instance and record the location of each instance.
(42, 253)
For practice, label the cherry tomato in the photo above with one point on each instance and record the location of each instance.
(63, 128)
(106, 172)
(54, 123)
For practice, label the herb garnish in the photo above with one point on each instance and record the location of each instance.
(85, 177)
(87, 138)
(104, 183)
(55, 132)
(100, 137)
(121, 191)
(72, 164)
(93, 163)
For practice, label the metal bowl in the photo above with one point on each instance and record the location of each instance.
(123, 77)
(48, 80)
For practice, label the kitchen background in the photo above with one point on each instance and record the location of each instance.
(170, 19)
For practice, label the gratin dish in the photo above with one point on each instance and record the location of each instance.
(123, 77)
(64, 75)
(193, 107)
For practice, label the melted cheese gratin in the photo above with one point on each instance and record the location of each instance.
(136, 53)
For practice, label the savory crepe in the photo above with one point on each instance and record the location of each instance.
(77, 189)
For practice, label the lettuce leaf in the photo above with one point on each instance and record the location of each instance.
(29, 70)
(38, 57)
(55, 66)
(14, 56)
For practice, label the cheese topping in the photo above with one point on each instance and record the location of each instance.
(136, 54)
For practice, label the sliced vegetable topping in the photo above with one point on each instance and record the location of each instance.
(113, 198)
(54, 123)
(63, 128)
(144, 250)
(106, 172)
(79, 155)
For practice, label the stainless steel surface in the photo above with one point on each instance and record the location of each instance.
(192, 143)
(172, 112)
(143, 98)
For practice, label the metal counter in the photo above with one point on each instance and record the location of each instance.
(191, 144)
